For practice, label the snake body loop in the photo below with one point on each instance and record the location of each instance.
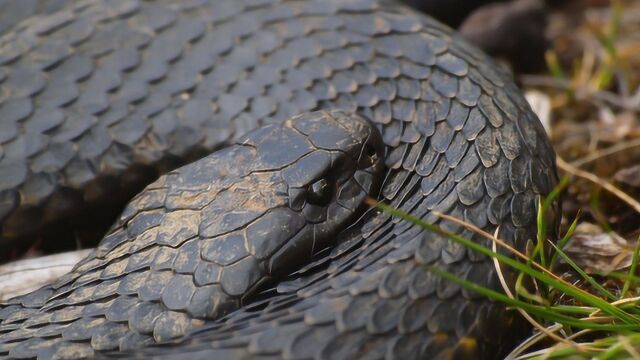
(107, 93)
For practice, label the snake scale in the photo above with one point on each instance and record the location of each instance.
(105, 94)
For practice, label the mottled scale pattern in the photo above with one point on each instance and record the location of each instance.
(143, 81)
(198, 242)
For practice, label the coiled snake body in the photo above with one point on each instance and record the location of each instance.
(107, 91)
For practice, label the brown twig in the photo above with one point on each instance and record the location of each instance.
(631, 103)
(598, 181)
(597, 154)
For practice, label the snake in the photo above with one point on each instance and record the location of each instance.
(105, 95)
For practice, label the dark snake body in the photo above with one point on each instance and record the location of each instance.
(199, 241)
(107, 91)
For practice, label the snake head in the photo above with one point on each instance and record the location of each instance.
(343, 169)
(326, 164)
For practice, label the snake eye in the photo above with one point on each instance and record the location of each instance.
(320, 192)
(370, 150)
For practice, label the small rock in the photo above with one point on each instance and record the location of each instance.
(597, 251)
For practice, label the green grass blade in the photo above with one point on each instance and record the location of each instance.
(541, 219)
(632, 269)
(522, 291)
(634, 279)
(540, 311)
(572, 309)
(594, 202)
(538, 251)
(570, 290)
(563, 242)
(584, 275)
(554, 65)
(614, 352)
(556, 191)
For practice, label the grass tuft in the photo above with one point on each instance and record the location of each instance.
(611, 317)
